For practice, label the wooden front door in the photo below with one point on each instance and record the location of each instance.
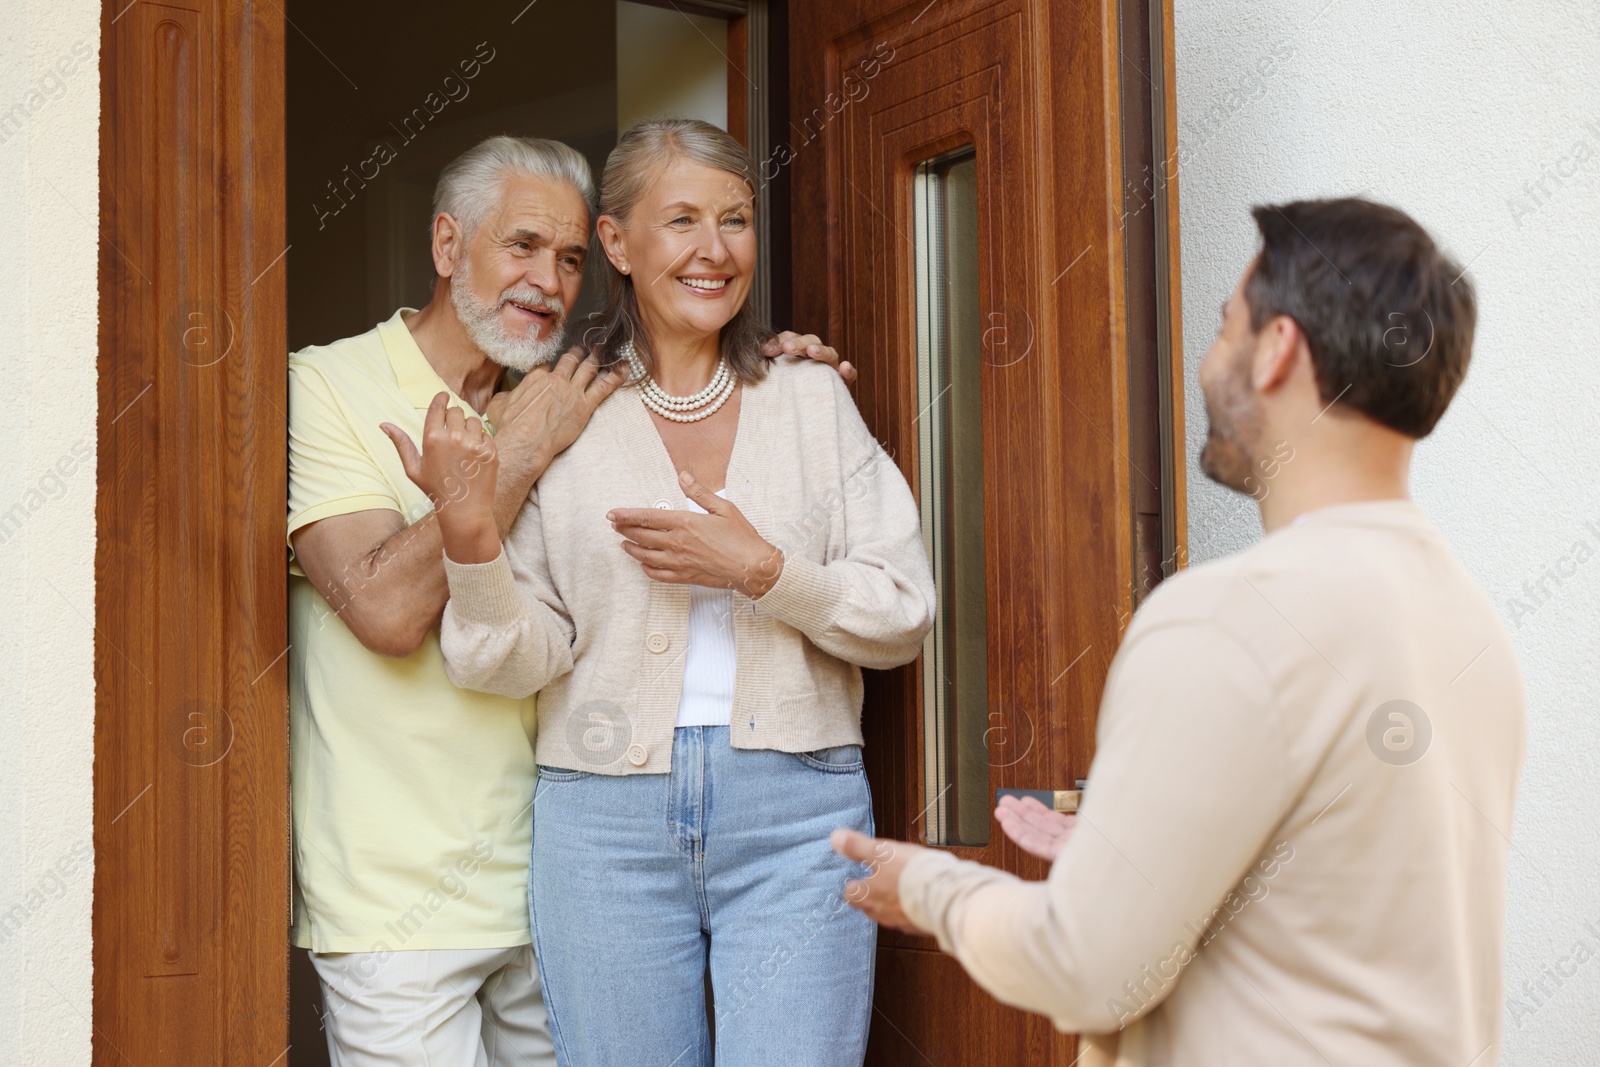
(191, 884)
(963, 226)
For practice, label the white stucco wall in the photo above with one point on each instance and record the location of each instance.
(1481, 119)
(49, 184)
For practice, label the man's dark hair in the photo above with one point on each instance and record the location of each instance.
(1388, 316)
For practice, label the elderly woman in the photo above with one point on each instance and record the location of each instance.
(692, 589)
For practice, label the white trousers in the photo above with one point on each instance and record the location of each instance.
(434, 1008)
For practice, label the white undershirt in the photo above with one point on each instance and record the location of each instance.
(710, 663)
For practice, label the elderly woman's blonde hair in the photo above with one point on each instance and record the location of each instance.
(640, 157)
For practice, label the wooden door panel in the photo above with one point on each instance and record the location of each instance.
(1032, 86)
(191, 802)
(919, 1032)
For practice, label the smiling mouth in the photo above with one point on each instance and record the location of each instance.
(706, 285)
(539, 314)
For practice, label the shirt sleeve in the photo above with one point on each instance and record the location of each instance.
(505, 629)
(331, 470)
(1188, 785)
(872, 605)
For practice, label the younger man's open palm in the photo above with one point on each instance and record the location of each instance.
(1036, 829)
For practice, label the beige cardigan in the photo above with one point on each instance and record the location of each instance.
(564, 612)
(1280, 859)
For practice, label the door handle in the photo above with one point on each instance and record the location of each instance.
(1065, 801)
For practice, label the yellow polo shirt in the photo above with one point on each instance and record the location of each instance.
(412, 798)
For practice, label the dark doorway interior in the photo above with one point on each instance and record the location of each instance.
(380, 98)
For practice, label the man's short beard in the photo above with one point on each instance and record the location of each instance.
(482, 322)
(1233, 429)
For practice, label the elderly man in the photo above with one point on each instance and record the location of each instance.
(1292, 848)
(412, 797)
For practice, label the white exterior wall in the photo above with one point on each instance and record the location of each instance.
(1483, 121)
(49, 186)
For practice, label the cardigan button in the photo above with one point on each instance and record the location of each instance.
(656, 642)
(637, 755)
(664, 504)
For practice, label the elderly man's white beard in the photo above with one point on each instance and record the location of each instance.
(483, 325)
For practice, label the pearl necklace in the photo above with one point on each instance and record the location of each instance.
(680, 408)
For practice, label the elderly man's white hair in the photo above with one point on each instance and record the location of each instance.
(470, 185)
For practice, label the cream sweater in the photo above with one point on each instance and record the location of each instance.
(564, 612)
(1280, 859)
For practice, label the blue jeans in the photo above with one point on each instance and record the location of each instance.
(640, 882)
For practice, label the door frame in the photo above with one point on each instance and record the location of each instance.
(191, 815)
(1146, 116)
(191, 899)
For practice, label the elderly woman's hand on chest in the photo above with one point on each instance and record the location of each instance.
(719, 550)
